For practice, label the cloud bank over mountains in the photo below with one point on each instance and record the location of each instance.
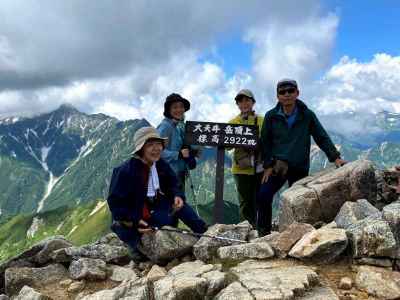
(124, 59)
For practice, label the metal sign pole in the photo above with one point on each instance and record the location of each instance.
(218, 212)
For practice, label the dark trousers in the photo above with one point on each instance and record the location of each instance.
(266, 194)
(247, 187)
(162, 214)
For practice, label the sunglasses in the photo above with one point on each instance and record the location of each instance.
(284, 91)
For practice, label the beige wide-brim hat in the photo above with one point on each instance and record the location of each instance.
(144, 134)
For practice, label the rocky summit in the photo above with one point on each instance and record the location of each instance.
(337, 241)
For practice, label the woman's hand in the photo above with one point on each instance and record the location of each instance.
(178, 203)
(266, 175)
(143, 227)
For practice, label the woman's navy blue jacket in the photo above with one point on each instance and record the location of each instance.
(128, 188)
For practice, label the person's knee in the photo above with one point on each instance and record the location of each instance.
(266, 193)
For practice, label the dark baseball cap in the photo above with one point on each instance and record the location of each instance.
(286, 82)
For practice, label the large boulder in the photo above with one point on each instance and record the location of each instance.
(245, 251)
(191, 269)
(36, 256)
(163, 246)
(391, 213)
(120, 274)
(378, 282)
(206, 248)
(371, 237)
(190, 280)
(28, 293)
(320, 197)
(180, 288)
(110, 254)
(88, 268)
(386, 194)
(266, 282)
(321, 246)
(138, 289)
(351, 212)
(16, 278)
(234, 291)
(110, 239)
(282, 242)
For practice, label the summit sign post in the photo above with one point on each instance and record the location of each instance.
(221, 136)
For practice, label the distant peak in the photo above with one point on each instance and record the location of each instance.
(68, 107)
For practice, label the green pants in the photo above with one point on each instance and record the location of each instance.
(247, 187)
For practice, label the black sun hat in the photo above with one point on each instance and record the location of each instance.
(172, 99)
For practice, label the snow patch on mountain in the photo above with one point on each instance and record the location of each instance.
(72, 230)
(99, 205)
(59, 226)
(50, 185)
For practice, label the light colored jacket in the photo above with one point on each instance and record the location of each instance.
(175, 134)
(250, 121)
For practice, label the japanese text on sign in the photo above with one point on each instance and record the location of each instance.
(221, 134)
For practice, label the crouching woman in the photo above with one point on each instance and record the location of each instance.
(144, 193)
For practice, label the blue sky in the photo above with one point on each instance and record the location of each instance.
(367, 28)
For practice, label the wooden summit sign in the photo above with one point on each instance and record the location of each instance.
(220, 135)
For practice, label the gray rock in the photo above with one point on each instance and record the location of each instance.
(156, 273)
(378, 262)
(110, 239)
(377, 282)
(253, 234)
(88, 268)
(277, 283)
(35, 256)
(206, 248)
(320, 293)
(48, 246)
(66, 282)
(163, 246)
(4, 297)
(181, 287)
(172, 263)
(76, 287)
(345, 283)
(28, 293)
(234, 291)
(371, 237)
(120, 273)
(134, 289)
(16, 278)
(110, 254)
(386, 179)
(322, 246)
(283, 242)
(391, 213)
(320, 197)
(216, 281)
(191, 269)
(245, 251)
(351, 212)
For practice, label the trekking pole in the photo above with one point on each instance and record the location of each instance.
(221, 238)
(192, 188)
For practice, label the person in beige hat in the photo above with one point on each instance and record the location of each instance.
(144, 193)
(247, 165)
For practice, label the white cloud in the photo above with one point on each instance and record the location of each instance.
(299, 50)
(363, 87)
